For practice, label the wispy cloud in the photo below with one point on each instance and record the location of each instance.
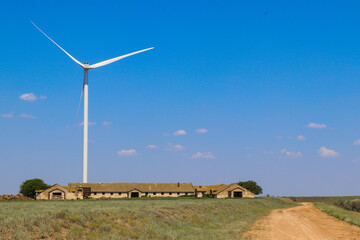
(106, 124)
(151, 146)
(30, 97)
(7, 115)
(357, 142)
(24, 115)
(180, 132)
(300, 138)
(205, 155)
(201, 130)
(329, 153)
(268, 153)
(174, 148)
(291, 154)
(89, 123)
(316, 125)
(124, 152)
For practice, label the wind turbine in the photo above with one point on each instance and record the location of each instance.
(86, 68)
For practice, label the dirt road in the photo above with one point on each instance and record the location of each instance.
(302, 222)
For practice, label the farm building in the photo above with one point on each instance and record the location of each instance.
(223, 191)
(57, 192)
(136, 190)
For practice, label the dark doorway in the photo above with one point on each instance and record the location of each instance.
(57, 195)
(134, 194)
(238, 194)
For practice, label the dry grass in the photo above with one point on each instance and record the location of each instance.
(133, 219)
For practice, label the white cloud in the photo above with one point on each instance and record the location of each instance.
(124, 152)
(325, 152)
(151, 146)
(175, 148)
(291, 154)
(357, 142)
(24, 115)
(316, 125)
(201, 130)
(89, 123)
(106, 124)
(30, 97)
(7, 115)
(205, 155)
(180, 132)
(300, 138)
(179, 147)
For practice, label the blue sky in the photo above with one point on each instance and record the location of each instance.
(234, 90)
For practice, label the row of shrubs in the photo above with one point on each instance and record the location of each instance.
(351, 205)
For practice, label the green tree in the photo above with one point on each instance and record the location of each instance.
(29, 187)
(251, 186)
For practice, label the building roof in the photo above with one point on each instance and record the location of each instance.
(143, 187)
(215, 189)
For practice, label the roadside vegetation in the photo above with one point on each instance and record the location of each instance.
(345, 208)
(133, 219)
(339, 213)
(328, 200)
(351, 205)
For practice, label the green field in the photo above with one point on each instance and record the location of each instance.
(133, 219)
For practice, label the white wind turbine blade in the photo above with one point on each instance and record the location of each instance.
(59, 46)
(103, 63)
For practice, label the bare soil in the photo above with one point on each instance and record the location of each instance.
(302, 222)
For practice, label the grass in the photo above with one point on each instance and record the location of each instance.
(328, 200)
(133, 219)
(340, 213)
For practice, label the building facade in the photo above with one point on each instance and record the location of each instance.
(137, 190)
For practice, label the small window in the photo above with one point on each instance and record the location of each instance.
(170, 193)
(95, 193)
(178, 193)
(146, 194)
(103, 193)
(111, 193)
(154, 193)
(162, 193)
(186, 193)
(119, 193)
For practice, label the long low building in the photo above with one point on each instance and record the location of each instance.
(137, 190)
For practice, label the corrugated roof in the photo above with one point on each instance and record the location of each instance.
(143, 187)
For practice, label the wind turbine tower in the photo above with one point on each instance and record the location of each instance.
(86, 67)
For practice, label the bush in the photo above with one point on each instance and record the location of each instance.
(29, 187)
(351, 205)
(207, 196)
(251, 186)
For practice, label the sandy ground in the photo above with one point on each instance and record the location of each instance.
(302, 222)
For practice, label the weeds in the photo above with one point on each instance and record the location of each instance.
(146, 219)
